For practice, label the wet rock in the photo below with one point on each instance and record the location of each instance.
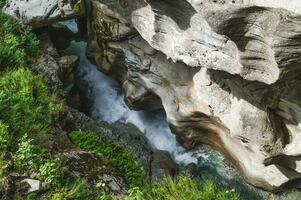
(56, 70)
(74, 99)
(68, 65)
(162, 165)
(191, 170)
(43, 13)
(61, 142)
(95, 169)
(61, 36)
(46, 63)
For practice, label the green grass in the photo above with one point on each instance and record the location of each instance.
(5, 137)
(181, 188)
(25, 103)
(17, 42)
(123, 161)
(28, 108)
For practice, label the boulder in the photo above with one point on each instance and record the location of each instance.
(162, 165)
(227, 74)
(42, 13)
(56, 70)
(30, 185)
(67, 68)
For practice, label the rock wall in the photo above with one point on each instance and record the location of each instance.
(227, 74)
(40, 13)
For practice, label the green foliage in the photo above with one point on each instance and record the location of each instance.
(2, 3)
(183, 188)
(123, 161)
(26, 103)
(27, 155)
(16, 42)
(29, 109)
(10, 53)
(50, 171)
(77, 191)
(5, 137)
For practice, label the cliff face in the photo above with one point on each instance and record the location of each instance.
(227, 73)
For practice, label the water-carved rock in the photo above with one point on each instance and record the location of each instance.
(227, 74)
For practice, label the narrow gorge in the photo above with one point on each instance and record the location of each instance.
(214, 85)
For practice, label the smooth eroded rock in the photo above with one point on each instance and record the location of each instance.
(40, 13)
(225, 72)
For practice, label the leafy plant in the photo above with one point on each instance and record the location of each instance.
(17, 42)
(27, 155)
(31, 107)
(5, 138)
(50, 172)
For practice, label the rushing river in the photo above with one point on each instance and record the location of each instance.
(109, 106)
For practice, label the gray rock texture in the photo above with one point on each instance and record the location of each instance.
(227, 73)
(95, 169)
(31, 185)
(162, 165)
(39, 13)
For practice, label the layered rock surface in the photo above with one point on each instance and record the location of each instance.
(227, 73)
(39, 13)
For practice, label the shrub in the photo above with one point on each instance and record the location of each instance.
(50, 172)
(10, 54)
(123, 161)
(30, 157)
(16, 42)
(27, 156)
(31, 107)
